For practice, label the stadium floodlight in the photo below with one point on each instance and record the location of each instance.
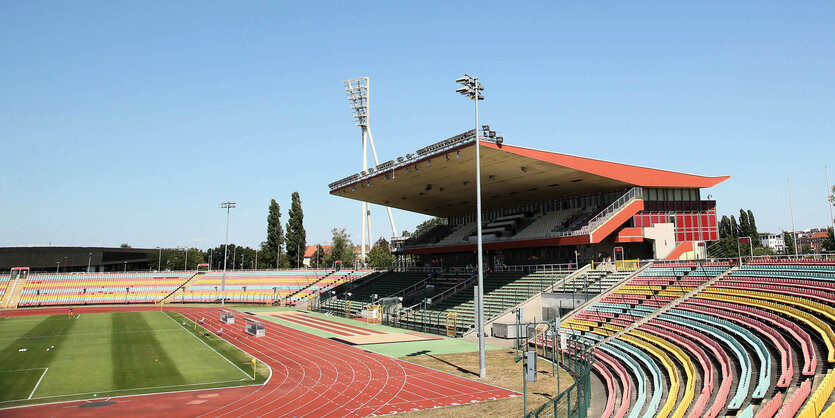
(228, 205)
(472, 89)
(358, 90)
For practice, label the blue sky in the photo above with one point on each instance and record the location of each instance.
(130, 122)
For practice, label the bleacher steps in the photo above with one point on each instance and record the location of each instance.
(309, 285)
(12, 294)
(183, 287)
(597, 298)
(528, 305)
(667, 307)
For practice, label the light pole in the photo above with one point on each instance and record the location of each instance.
(256, 260)
(126, 266)
(791, 208)
(228, 206)
(185, 263)
(159, 262)
(58, 268)
(89, 257)
(472, 89)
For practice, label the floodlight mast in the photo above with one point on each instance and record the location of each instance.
(472, 89)
(228, 205)
(358, 90)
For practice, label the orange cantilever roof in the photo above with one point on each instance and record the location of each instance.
(443, 184)
(635, 175)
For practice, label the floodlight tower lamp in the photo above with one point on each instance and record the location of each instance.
(358, 90)
(228, 205)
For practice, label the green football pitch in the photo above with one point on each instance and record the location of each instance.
(55, 358)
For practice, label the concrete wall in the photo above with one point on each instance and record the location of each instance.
(663, 237)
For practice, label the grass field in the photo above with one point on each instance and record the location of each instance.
(110, 354)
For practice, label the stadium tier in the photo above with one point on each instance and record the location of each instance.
(454, 309)
(4, 281)
(96, 288)
(387, 285)
(710, 339)
(287, 286)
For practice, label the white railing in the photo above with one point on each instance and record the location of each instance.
(615, 207)
(421, 154)
(539, 267)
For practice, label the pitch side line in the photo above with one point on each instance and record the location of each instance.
(22, 370)
(39, 383)
(210, 347)
(88, 333)
(106, 394)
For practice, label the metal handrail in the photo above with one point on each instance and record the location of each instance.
(609, 211)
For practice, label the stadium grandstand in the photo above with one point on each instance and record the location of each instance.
(284, 287)
(616, 253)
(538, 207)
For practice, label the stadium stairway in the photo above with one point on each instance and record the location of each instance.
(182, 288)
(502, 292)
(325, 279)
(596, 299)
(12, 294)
(664, 309)
(530, 305)
(383, 285)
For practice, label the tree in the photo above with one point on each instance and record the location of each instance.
(427, 225)
(380, 255)
(806, 249)
(296, 235)
(788, 238)
(406, 233)
(725, 227)
(760, 251)
(342, 249)
(744, 226)
(125, 245)
(829, 241)
(275, 236)
(734, 228)
(175, 258)
(318, 258)
(752, 224)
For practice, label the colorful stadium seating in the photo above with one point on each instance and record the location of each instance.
(291, 286)
(97, 288)
(267, 286)
(753, 321)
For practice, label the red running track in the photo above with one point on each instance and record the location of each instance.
(311, 376)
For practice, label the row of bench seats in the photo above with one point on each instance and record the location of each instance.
(502, 291)
(141, 287)
(754, 326)
(290, 286)
(97, 288)
(385, 285)
(4, 282)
